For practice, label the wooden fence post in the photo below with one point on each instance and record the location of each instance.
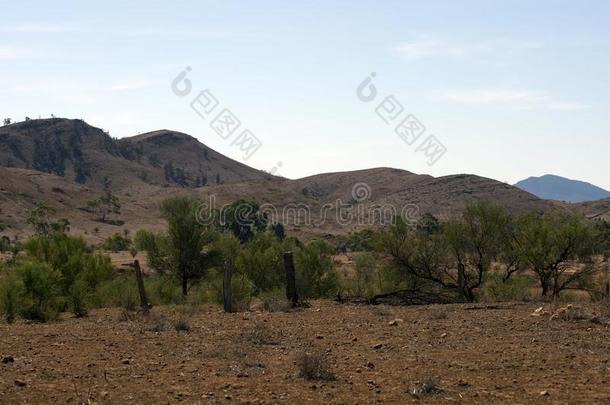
(144, 304)
(227, 296)
(291, 287)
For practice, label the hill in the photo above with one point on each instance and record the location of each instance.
(558, 188)
(87, 155)
(66, 163)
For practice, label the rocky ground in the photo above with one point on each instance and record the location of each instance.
(435, 354)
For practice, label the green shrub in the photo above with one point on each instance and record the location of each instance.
(242, 291)
(315, 275)
(78, 298)
(117, 243)
(41, 293)
(163, 290)
(10, 291)
(118, 292)
(496, 289)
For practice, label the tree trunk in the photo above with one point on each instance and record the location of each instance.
(227, 296)
(291, 287)
(184, 284)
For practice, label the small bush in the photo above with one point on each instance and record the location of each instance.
(163, 290)
(314, 366)
(428, 387)
(261, 335)
(496, 289)
(117, 243)
(182, 325)
(10, 288)
(78, 298)
(42, 301)
(275, 301)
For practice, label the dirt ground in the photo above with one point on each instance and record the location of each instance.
(473, 354)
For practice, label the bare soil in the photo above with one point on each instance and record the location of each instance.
(446, 354)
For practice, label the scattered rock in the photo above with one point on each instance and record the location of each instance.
(377, 346)
(126, 361)
(395, 322)
(8, 359)
(544, 393)
(20, 383)
(444, 335)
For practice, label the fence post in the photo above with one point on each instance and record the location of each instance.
(144, 304)
(291, 287)
(227, 296)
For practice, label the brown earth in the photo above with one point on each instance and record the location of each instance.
(475, 354)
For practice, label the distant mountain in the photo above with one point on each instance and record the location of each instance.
(87, 155)
(550, 187)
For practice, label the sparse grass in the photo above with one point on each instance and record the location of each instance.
(182, 325)
(261, 335)
(428, 386)
(314, 366)
(437, 314)
(275, 301)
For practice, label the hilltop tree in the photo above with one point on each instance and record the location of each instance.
(7, 121)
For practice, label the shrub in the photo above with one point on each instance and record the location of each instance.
(118, 292)
(314, 366)
(242, 291)
(275, 301)
(368, 278)
(78, 298)
(117, 243)
(182, 325)
(41, 294)
(497, 289)
(10, 290)
(315, 275)
(163, 290)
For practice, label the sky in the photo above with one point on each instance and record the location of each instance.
(507, 89)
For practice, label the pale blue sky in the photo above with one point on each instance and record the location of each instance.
(511, 88)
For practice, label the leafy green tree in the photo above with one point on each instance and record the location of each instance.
(551, 244)
(39, 218)
(243, 218)
(184, 250)
(475, 242)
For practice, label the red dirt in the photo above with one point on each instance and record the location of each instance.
(491, 355)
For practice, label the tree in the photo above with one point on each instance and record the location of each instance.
(551, 243)
(7, 121)
(186, 240)
(418, 257)
(104, 206)
(228, 247)
(39, 218)
(243, 218)
(475, 242)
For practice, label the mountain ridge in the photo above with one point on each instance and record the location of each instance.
(553, 187)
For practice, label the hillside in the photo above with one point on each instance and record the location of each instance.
(87, 155)
(558, 188)
(66, 162)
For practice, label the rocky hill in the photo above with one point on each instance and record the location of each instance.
(67, 163)
(87, 155)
